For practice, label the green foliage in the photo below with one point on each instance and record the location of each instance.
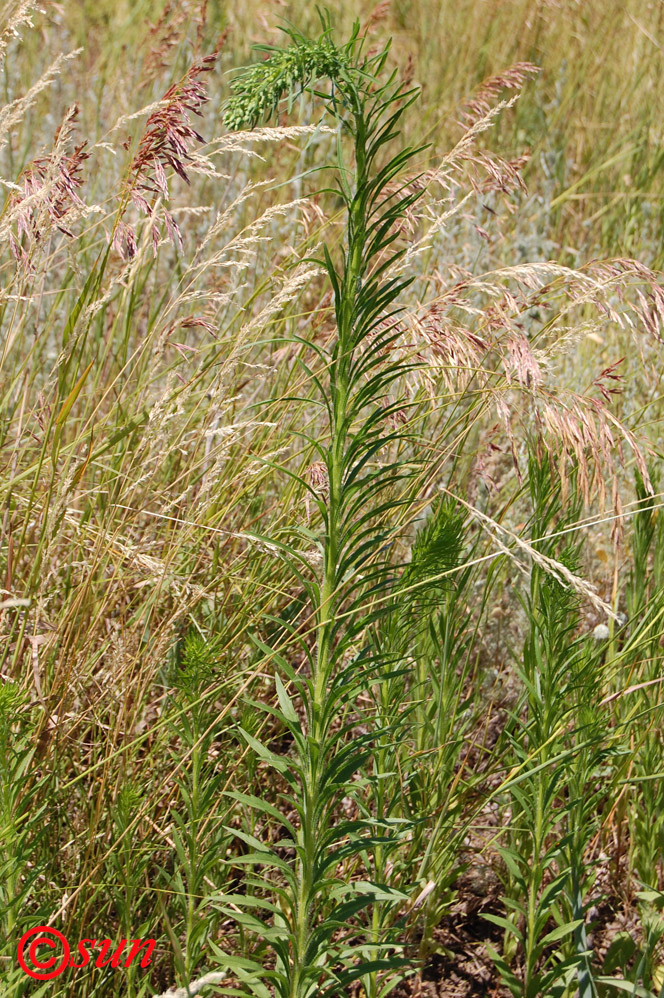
(198, 829)
(259, 89)
(311, 940)
(556, 791)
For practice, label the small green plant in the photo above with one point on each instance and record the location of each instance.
(198, 819)
(434, 627)
(558, 741)
(638, 958)
(638, 663)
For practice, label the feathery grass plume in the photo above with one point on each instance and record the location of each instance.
(483, 101)
(14, 15)
(482, 324)
(166, 143)
(164, 37)
(557, 570)
(447, 349)
(478, 114)
(169, 134)
(50, 189)
(14, 112)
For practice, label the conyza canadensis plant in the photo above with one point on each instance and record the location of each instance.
(303, 908)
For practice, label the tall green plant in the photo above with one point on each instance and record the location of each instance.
(318, 947)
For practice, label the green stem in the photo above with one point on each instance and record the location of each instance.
(194, 817)
(534, 890)
(315, 747)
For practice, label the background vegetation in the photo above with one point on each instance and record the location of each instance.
(456, 641)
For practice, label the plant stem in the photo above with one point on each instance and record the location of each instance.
(314, 818)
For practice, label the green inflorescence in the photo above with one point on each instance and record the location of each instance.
(259, 88)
